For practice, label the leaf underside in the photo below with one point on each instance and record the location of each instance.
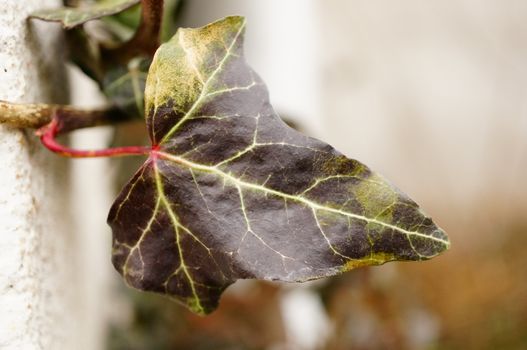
(231, 192)
(71, 17)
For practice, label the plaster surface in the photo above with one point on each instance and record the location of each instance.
(39, 292)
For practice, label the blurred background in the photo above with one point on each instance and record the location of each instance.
(433, 95)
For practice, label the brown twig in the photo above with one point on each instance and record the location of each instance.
(146, 38)
(37, 115)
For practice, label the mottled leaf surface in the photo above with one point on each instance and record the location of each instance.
(229, 191)
(71, 17)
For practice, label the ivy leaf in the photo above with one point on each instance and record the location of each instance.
(71, 17)
(230, 192)
(124, 85)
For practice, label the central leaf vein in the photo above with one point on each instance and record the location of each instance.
(298, 198)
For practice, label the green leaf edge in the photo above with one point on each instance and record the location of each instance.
(98, 10)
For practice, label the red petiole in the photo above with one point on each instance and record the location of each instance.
(49, 133)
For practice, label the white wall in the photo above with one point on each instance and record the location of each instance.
(44, 278)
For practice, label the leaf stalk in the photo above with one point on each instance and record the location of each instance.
(49, 133)
(53, 120)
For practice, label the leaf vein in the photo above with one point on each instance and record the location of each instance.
(297, 198)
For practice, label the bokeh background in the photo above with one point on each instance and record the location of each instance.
(431, 94)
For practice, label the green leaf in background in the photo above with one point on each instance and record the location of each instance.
(71, 17)
(84, 51)
(124, 86)
(230, 192)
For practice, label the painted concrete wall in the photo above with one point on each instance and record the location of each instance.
(46, 282)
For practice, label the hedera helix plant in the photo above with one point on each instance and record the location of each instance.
(228, 191)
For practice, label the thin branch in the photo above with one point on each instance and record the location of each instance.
(25, 115)
(35, 116)
(146, 38)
